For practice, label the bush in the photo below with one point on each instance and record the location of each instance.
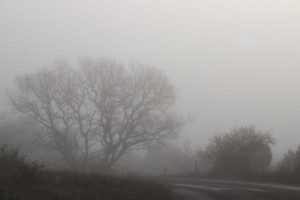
(27, 172)
(15, 167)
(10, 158)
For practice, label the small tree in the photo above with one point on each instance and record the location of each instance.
(99, 111)
(241, 152)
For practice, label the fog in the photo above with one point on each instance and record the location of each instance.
(232, 62)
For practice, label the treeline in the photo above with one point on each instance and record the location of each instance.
(290, 163)
(287, 169)
(243, 152)
(172, 158)
(96, 115)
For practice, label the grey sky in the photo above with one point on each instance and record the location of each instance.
(234, 62)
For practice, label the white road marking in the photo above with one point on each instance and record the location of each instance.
(202, 187)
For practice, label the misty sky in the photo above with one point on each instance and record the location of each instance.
(233, 62)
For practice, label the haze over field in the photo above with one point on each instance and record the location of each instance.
(233, 62)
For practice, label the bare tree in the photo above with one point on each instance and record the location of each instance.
(132, 107)
(100, 110)
(56, 99)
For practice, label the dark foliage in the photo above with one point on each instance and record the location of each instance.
(22, 179)
(28, 172)
(287, 170)
(240, 153)
(67, 185)
(10, 158)
(15, 167)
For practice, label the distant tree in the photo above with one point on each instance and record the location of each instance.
(241, 152)
(99, 111)
(175, 159)
(288, 162)
(168, 159)
(188, 154)
(297, 161)
(289, 165)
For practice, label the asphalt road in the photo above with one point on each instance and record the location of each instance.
(197, 189)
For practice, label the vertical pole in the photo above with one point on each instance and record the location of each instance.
(288, 162)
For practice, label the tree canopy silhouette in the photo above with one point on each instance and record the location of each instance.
(97, 112)
(241, 152)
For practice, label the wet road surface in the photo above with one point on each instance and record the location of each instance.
(197, 189)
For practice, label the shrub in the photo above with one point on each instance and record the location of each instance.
(28, 170)
(10, 158)
(15, 167)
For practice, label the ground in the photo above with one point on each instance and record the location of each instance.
(49, 185)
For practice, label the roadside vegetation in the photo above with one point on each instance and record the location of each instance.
(21, 179)
(239, 153)
(242, 154)
(287, 170)
(83, 123)
(245, 154)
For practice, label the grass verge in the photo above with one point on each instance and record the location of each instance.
(51, 185)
